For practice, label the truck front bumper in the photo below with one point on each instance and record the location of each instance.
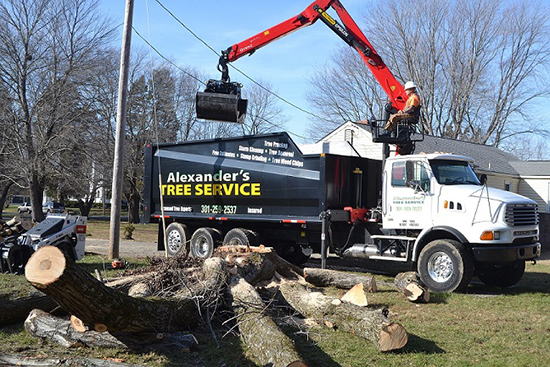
(504, 254)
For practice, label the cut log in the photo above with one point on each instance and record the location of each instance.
(124, 284)
(356, 296)
(254, 267)
(43, 325)
(83, 296)
(77, 324)
(209, 289)
(25, 361)
(59, 330)
(286, 269)
(410, 285)
(339, 279)
(371, 324)
(263, 338)
(139, 290)
(14, 310)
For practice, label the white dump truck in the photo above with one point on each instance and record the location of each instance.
(423, 212)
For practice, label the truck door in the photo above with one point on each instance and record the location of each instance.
(409, 196)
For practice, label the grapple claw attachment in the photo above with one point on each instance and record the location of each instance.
(221, 101)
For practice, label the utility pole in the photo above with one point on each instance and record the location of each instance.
(114, 233)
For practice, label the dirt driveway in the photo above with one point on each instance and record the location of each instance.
(144, 249)
(126, 249)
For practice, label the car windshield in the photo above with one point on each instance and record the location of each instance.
(449, 172)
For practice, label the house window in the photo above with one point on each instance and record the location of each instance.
(507, 186)
(348, 136)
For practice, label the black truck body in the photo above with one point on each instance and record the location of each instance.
(262, 184)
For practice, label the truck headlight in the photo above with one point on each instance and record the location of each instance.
(490, 235)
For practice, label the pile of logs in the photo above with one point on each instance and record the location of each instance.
(155, 306)
(14, 227)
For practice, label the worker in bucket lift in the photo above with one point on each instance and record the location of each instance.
(411, 111)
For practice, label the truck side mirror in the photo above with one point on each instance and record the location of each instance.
(483, 179)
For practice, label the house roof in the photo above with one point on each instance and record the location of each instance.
(487, 158)
(532, 168)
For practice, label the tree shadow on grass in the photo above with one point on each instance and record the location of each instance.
(310, 351)
(417, 344)
(531, 282)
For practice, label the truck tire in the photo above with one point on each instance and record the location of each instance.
(445, 266)
(240, 237)
(203, 242)
(500, 275)
(291, 252)
(176, 239)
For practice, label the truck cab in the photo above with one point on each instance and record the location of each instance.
(439, 215)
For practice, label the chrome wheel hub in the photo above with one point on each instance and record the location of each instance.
(174, 241)
(201, 246)
(440, 267)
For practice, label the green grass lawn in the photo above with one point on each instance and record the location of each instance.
(480, 327)
(142, 232)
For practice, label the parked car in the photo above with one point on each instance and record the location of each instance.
(24, 208)
(53, 207)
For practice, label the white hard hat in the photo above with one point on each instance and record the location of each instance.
(409, 85)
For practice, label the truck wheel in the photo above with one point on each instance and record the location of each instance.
(176, 239)
(500, 275)
(445, 265)
(292, 253)
(240, 237)
(203, 242)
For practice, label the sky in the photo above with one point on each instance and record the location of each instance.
(286, 64)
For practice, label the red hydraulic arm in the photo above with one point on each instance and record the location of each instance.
(350, 33)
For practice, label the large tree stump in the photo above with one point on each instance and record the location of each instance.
(266, 342)
(83, 296)
(339, 279)
(61, 331)
(370, 324)
(409, 284)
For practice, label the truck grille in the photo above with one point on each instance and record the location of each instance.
(522, 215)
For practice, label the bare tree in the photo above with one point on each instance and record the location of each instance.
(342, 91)
(188, 83)
(46, 47)
(481, 65)
(264, 114)
(151, 117)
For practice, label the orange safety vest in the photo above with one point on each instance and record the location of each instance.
(413, 101)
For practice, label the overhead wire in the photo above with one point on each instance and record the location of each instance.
(237, 69)
(167, 59)
(200, 81)
(152, 47)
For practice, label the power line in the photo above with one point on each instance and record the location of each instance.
(166, 59)
(200, 81)
(237, 69)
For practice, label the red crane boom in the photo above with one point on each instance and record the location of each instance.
(349, 32)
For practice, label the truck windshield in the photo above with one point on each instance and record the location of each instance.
(449, 172)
